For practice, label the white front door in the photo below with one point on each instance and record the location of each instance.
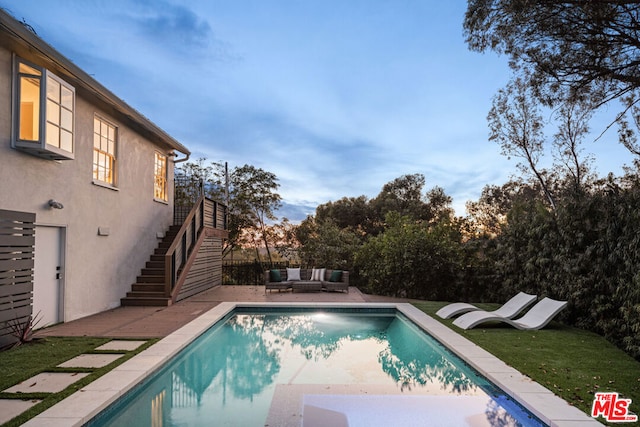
(47, 276)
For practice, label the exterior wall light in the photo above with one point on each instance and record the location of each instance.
(55, 205)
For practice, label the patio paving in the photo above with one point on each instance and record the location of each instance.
(158, 322)
(121, 345)
(90, 361)
(11, 408)
(47, 382)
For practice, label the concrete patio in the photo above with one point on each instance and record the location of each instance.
(158, 322)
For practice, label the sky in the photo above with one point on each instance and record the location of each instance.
(334, 97)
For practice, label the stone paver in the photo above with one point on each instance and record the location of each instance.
(47, 382)
(121, 345)
(11, 408)
(90, 361)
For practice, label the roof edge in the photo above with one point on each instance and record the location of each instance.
(29, 45)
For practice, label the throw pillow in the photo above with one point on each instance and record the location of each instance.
(274, 276)
(317, 274)
(293, 274)
(336, 276)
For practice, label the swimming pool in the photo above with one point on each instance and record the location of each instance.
(289, 400)
(259, 366)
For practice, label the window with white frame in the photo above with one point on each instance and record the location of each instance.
(160, 178)
(44, 112)
(104, 151)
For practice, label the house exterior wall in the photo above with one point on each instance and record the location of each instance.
(98, 269)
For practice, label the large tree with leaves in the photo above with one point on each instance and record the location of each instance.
(255, 201)
(570, 51)
(249, 193)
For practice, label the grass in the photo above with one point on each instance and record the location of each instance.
(27, 360)
(571, 362)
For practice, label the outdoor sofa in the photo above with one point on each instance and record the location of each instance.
(300, 279)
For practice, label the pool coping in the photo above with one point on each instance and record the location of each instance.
(82, 406)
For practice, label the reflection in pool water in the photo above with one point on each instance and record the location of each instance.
(228, 376)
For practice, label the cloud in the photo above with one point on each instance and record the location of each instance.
(173, 24)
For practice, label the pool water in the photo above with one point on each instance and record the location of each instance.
(366, 369)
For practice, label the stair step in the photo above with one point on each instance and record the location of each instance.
(159, 265)
(147, 287)
(153, 271)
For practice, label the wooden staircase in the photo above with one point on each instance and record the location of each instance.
(149, 288)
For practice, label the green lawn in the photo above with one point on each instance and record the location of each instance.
(25, 361)
(572, 363)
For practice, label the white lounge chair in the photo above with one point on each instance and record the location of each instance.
(509, 309)
(536, 318)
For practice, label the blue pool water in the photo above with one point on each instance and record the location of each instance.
(361, 366)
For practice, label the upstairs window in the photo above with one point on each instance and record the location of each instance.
(44, 112)
(104, 151)
(160, 178)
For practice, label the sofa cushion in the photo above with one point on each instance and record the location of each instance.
(336, 276)
(293, 274)
(274, 275)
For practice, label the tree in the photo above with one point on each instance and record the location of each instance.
(402, 195)
(349, 212)
(323, 243)
(251, 198)
(569, 50)
(192, 178)
(515, 122)
(412, 259)
(574, 126)
(570, 47)
(254, 202)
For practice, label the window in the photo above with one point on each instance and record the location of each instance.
(44, 119)
(160, 178)
(104, 151)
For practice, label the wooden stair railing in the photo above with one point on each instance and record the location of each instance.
(182, 252)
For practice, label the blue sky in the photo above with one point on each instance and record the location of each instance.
(336, 98)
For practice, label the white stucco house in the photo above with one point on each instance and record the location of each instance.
(93, 174)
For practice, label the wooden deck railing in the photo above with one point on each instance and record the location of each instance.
(183, 244)
(202, 221)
